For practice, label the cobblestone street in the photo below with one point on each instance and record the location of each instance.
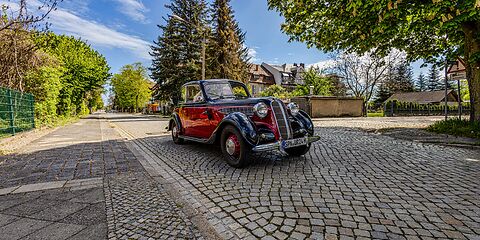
(352, 184)
(120, 176)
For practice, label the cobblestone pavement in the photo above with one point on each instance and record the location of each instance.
(141, 209)
(351, 184)
(374, 123)
(89, 154)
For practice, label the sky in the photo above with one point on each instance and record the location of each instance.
(123, 30)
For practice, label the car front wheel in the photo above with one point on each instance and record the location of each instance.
(234, 148)
(298, 151)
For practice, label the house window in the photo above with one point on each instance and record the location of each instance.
(256, 77)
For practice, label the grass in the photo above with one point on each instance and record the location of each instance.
(456, 127)
(375, 114)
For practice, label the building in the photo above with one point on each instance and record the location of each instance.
(432, 97)
(286, 75)
(260, 79)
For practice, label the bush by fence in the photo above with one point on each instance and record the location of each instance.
(17, 111)
(396, 108)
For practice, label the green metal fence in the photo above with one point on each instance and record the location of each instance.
(17, 111)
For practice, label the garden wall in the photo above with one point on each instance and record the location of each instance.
(319, 106)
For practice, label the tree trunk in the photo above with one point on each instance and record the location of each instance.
(472, 62)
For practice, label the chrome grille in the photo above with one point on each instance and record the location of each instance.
(246, 110)
(280, 112)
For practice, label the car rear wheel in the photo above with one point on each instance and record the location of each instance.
(234, 148)
(298, 151)
(175, 134)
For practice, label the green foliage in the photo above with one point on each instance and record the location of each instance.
(45, 84)
(375, 114)
(433, 82)
(228, 56)
(177, 51)
(321, 85)
(86, 71)
(421, 84)
(131, 87)
(276, 91)
(418, 27)
(456, 127)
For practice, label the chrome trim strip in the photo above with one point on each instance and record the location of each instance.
(276, 121)
(287, 123)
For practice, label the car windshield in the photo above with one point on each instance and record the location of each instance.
(219, 90)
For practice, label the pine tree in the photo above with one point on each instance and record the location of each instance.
(228, 55)
(403, 79)
(177, 52)
(433, 78)
(383, 94)
(421, 83)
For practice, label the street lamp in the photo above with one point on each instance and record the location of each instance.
(203, 31)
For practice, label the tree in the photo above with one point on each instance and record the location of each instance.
(275, 91)
(228, 55)
(131, 87)
(433, 79)
(403, 78)
(362, 73)
(383, 94)
(18, 53)
(85, 71)
(421, 84)
(420, 28)
(312, 77)
(177, 51)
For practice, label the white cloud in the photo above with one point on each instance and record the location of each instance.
(134, 9)
(322, 65)
(97, 34)
(252, 54)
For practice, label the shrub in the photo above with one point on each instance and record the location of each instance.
(456, 127)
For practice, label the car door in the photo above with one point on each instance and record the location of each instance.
(195, 113)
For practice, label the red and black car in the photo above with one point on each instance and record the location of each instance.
(223, 112)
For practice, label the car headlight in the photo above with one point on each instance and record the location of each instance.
(261, 109)
(293, 107)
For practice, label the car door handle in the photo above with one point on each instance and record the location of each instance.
(208, 113)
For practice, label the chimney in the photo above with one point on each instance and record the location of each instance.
(256, 67)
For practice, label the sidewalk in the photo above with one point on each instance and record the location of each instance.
(82, 182)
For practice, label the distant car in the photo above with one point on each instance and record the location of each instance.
(223, 112)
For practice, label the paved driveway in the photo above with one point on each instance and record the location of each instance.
(351, 185)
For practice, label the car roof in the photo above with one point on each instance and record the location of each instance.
(211, 81)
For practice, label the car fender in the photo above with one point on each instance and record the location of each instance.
(303, 117)
(175, 119)
(243, 123)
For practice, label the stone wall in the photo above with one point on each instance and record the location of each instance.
(318, 106)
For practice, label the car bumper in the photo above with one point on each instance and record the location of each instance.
(278, 145)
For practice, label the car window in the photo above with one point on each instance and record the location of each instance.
(219, 90)
(239, 90)
(193, 94)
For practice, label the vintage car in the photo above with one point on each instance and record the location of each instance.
(223, 112)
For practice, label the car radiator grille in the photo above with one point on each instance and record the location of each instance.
(280, 113)
(248, 110)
